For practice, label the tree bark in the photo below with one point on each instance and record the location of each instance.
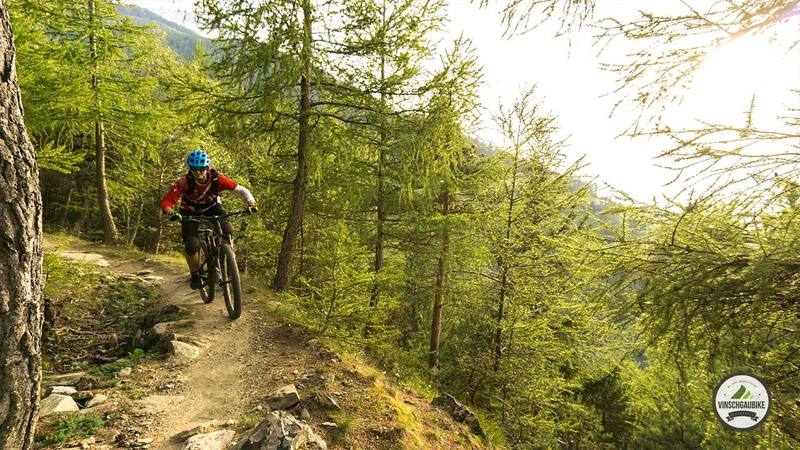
(110, 234)
(20, 260)
(441, 281)
(283, 273)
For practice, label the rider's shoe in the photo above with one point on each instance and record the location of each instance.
(197, 282)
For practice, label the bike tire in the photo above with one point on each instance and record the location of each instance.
(229, 282)
(208, 273)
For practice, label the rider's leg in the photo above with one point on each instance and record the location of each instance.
(191, 246)
(227, 227)
(193, 261)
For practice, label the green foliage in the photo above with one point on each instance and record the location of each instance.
(131, 360)
(58, 159)
(69, 426)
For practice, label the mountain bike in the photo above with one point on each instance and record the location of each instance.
(218, 262)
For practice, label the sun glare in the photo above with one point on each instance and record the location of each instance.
(752, 65)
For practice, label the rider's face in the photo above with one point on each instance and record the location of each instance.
(200, 173)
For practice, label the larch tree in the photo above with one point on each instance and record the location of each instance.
(20, 260)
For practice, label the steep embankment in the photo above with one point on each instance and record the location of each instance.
(221, 375)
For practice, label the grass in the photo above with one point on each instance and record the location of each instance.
(133, 391)
(246, 422)
(69, 427)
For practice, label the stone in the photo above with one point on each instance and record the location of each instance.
(124, 372)
(459, 412)
(281, 430)
(200, 429)
(183, 351)
(165, 330)
(284, 398)
(63, 390)
(96, 400)
(56, 403)
(102, 408)
(88, 442)
(82, 396)
(218, 440)
(329, 425)
(65, 379)
(323, 402)
(305, 415)
(189, 340)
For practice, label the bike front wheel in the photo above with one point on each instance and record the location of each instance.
(229, 281)
(208, 272)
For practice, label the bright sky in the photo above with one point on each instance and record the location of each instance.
(572, 86)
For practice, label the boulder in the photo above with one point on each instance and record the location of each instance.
(102, 408)
(458, 412)
(96, 400)
(82, 396)
(165, 330)
(284, 398)
(218, 440)
(197, 342)
(183, 351)
(281, 431)
(65, 379)
(323, 402)
(200, 429)
(57, 403)
(63, 390)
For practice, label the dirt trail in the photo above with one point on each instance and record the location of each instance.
(240, 361)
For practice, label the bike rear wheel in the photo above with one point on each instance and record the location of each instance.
(208, 272)
(229, 281)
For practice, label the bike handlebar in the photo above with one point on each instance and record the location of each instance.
(178, 216)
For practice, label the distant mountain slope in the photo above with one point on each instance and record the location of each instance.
(181, 40)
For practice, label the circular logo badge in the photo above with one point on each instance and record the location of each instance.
(741, 402)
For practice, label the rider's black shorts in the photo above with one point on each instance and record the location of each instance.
(189, 229)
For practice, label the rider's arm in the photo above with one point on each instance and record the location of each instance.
(226, 184)
(245, 195)
(173, 195)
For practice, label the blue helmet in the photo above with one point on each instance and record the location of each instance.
(198, 159)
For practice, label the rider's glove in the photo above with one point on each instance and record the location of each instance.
(175, 217)
(252, 209)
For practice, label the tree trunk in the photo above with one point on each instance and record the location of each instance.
(63, 223)
(20, 260)
(441, 281)
(138, 222)
(283, 272)
(503, 263)
(85, 207)
(498, 332)
(110, 234)
(381, 200)
(160, 233)
(381, 221)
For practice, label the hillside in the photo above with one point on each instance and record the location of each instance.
(179, 38)
(218, 380)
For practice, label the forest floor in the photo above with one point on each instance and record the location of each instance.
(240, 364)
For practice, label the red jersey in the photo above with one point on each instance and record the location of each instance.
(201, 199)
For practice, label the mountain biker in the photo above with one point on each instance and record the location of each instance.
(198, 192)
